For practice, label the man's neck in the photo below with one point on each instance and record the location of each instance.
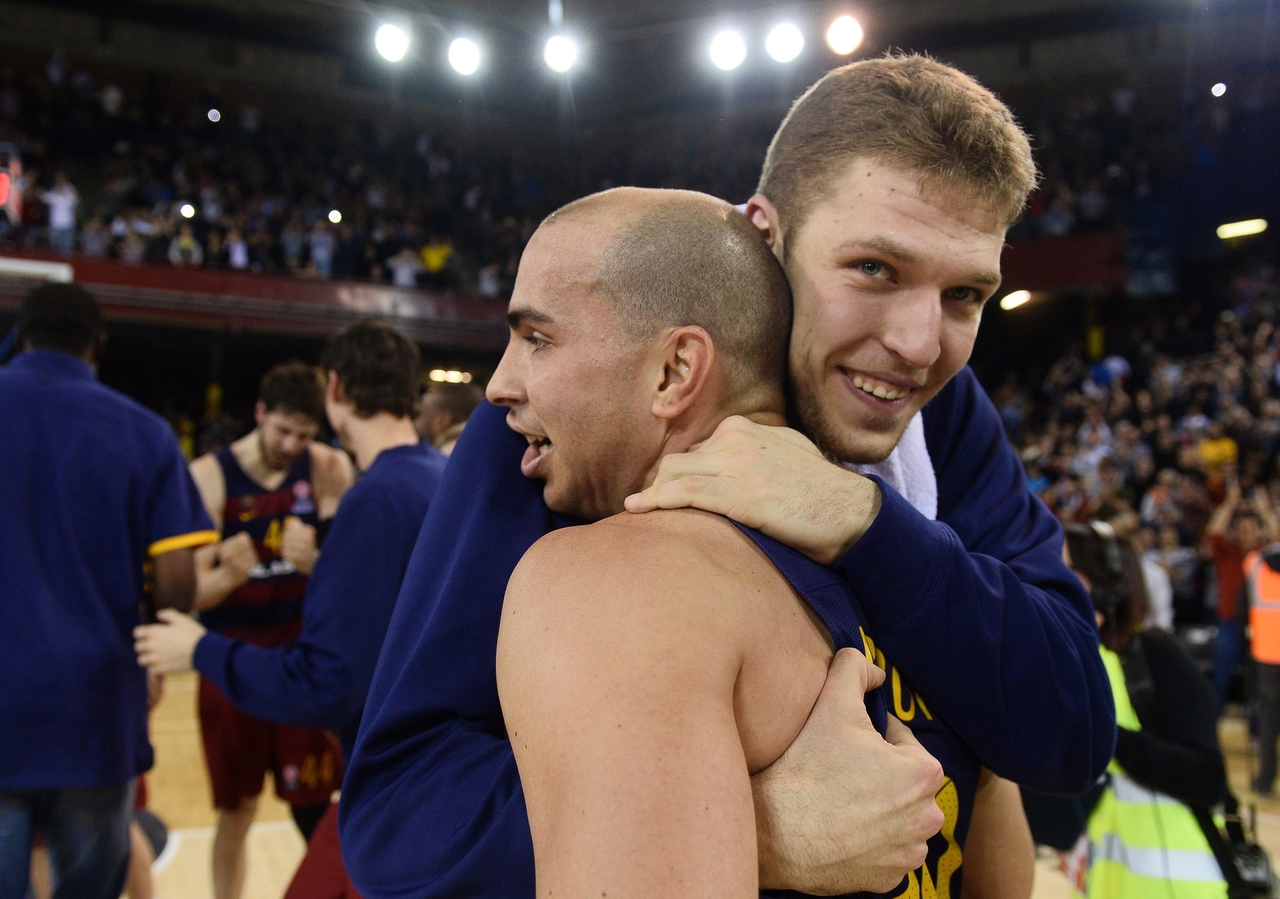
(250, 457)
(366, 438)
(693, 431)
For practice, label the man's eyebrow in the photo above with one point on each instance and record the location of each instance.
(896, 251)
(521, 315)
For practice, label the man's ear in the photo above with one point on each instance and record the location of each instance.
(688, 357)
(333, 391)
(259, 410)
(764, 215)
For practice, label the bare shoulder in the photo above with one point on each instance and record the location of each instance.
(331, 471)
(207, 474)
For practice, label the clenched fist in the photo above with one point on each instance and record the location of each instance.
(238, 556)
(298, 544)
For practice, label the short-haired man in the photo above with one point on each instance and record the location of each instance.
(957, 565)
(443, 413)
(321, 678)
(268, 493)
(95, 491)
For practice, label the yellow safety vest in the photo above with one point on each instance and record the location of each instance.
(1264, 608)
(1144, 844)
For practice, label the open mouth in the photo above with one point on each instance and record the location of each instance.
(535, 456)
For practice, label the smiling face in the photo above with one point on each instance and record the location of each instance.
(571, 381)
(889, 278)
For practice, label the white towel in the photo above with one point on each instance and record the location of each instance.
(909, 470)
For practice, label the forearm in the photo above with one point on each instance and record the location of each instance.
(298, 684)
(1034, 702)
(213, 586)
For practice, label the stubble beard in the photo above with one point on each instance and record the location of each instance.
(804, 405)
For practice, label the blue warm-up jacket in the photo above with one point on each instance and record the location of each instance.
(977, 609)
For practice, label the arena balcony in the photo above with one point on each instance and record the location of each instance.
(221, 300)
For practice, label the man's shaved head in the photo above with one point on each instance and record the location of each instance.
(677, 258)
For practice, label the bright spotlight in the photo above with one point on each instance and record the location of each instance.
(451, 376)
(784, 42)
(844, 35)
(464, 56)
(560, 53)
(392, 42)
(214, 115)
(187, 211)
(1218, 89)
(728, 50)
(1015, 299)
(1242, 229)
(335, 216)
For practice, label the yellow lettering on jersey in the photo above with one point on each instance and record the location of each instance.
(275, 536)
(920, 883)
(903, 713)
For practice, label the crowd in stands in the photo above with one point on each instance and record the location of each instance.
(1171, 442)
(109, 170)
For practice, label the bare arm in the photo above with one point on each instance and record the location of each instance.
(175, 579)
(999, 856)
(221, 569)
(622, 721)
(1221, 516)
(332, 473)
(207, 474)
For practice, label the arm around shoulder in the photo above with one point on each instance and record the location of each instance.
(621, 716)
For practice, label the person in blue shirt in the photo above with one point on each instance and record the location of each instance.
(320, 679)
(886, 196)
(96, 494)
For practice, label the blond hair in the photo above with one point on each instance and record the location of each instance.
(907, 111)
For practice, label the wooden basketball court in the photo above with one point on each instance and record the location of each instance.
(179, 794)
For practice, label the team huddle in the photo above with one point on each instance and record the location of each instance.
(734, 586)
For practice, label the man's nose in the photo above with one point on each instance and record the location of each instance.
(506, 387)
(913, 327)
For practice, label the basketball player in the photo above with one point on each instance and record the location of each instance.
(248, 590)
(904, 176)
(320, 679)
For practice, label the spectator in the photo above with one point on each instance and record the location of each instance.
(237, 251)
(62, 201)
(184, 250)
(322, 245)
(443, 411)
(102, 491)
(95, 240)
(405, 266)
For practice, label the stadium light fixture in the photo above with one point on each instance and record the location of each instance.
(464, 56)
(560, 53)
(1015, 299)
(784, 42)
(728, 50)
(450, 376)
(391, 42)
(1218, 89)
(187, 211)
(844, 36)
(1242, 229)
(335, 216)
(214, 116)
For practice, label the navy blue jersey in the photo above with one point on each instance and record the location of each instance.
(263, 609)
(321, 678)
(92, 486)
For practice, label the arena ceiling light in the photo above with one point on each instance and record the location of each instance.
(784, 42)
(844, 36)
(450, 376)
(391, 42)
(187, 211)
(560, 53)
(728, 50)
(1015, 299)
(464, 56)
(1218, 89)
(335, 216)
(1242, 229)
(214, 116)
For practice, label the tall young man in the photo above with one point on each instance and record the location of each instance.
(907, 174)
(95, 491)
(260, 492)
(321, 678)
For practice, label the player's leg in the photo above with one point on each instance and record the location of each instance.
(138, 883)
(237, 750)
(15, 845)
(87, 834)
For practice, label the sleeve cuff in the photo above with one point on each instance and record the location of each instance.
(210, 658)
(182, 541)
(896, 567)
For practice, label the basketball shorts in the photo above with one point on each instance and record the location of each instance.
(322, 874)
(240, 749)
